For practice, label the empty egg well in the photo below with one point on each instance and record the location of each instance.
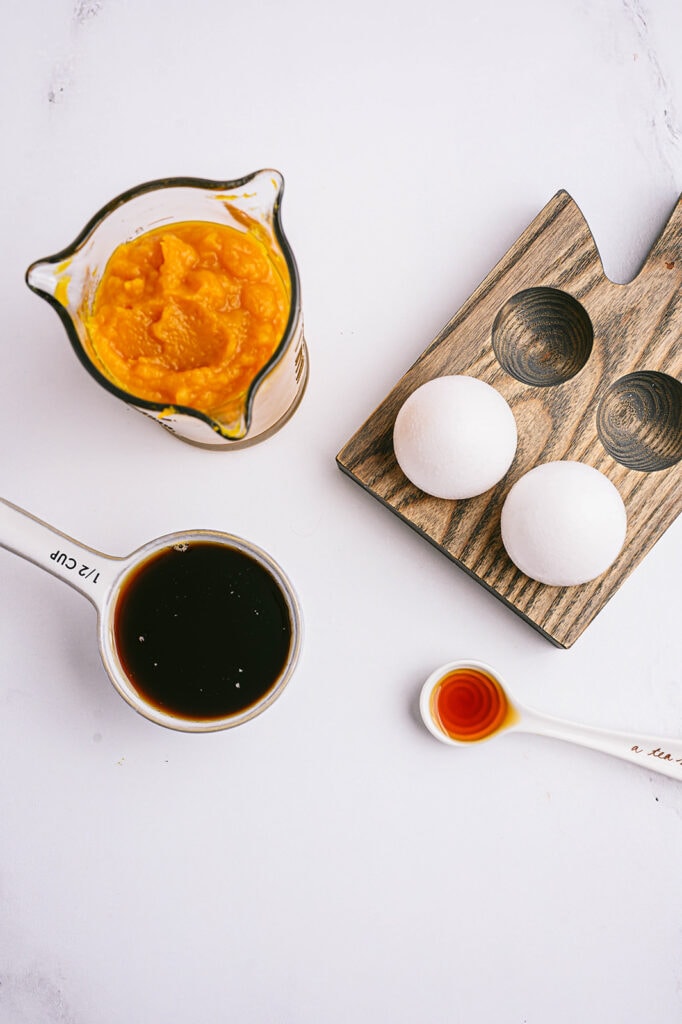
(639, 421)
(542, 336)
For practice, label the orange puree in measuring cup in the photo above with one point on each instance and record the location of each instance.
(187, 314)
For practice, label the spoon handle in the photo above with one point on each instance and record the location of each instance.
(655, 753)
(83, 568)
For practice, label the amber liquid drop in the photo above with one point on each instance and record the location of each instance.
(469, 705)
(203, 631)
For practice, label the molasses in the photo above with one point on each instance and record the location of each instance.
(203, 630)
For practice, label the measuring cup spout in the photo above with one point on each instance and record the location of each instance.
(43, 277)
(262, 199)
(83, 568)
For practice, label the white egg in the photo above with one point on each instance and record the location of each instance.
(455, 437)
(563, 523)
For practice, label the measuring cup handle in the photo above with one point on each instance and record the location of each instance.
(654, 753)
(88, 571)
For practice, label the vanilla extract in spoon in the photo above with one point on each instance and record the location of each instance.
(465, 702)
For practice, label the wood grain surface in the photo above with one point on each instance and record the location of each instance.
(617, 405)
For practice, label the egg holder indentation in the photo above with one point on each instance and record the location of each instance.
(591, 371)
(542, 336)
(639, 421)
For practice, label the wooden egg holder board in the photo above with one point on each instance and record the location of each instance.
(629, 429)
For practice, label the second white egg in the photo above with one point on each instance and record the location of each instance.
(563, 523)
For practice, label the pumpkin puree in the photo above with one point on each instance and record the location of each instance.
(187, 315)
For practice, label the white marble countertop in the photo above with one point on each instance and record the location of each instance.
(328, 862)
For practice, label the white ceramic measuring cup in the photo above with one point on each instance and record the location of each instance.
(657, 754)
(101, 578)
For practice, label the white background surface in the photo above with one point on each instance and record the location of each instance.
(329, 862)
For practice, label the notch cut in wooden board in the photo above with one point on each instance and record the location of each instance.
(591, 370)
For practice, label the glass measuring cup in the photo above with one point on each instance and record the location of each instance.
(107, 581)
(68, 280)
(477, 707)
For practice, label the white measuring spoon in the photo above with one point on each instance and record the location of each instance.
(101, 578)
(651, 752)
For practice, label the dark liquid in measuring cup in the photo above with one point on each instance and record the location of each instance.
(202, 630)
